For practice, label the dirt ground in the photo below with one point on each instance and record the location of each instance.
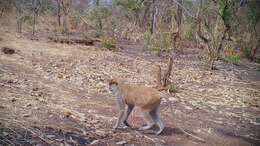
(56, 94)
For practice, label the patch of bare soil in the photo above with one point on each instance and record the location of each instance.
(56, 94)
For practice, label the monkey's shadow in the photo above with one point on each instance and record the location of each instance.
(166, 132)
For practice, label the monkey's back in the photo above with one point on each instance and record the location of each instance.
(144, 97)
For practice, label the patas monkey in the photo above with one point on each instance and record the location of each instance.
(146, 98)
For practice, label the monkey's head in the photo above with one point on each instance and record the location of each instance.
(113, 85)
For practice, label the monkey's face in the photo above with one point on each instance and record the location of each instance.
(113, 86)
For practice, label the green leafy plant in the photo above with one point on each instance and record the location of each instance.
(95, 14)
(257, 58)
(225, 9)
(232, 56)
(172, 87)
(247, 52)
(108, 43)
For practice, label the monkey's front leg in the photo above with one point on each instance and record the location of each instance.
(121, 107)
(119, 119)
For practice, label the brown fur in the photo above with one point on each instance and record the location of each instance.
(144, 97)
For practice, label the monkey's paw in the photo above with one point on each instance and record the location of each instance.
(146, 127)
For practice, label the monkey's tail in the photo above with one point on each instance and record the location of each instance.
(166, 96)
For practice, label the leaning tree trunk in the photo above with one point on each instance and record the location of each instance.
(175, 34)
(179, 15)
(154, 16)
(36, 7)
(163, 81)
(167, 74)
(59, 12)
(65, 24)
(19, 22)
(98, 22)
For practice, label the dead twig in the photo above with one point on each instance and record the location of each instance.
(40, 137)
(7, 140)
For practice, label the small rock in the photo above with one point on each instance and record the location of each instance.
(10, 81)
(13, 99)
(35, 89)
(27, 105)
(26, 115)
(121, 142)
(188, 108)
(5, 133)
(8, 50)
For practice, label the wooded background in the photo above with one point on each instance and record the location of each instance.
(224, 29)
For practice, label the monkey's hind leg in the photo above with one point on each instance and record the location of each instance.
(156, 118)
(148, 120)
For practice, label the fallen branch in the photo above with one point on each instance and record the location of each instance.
(7, 140)
(18, 123)
(74, 40)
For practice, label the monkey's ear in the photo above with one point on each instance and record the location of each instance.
(112, 82)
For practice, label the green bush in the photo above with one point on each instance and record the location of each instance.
(172, 87)
(95, 14)
(108, 43)
(247, 52)
(231, 55)
(234, 58)
(257, 58)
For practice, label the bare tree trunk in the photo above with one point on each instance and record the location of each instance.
(179, 15)
(19, 24)
(59, 11)
(167, 74)
(159, 77)
(34, 23)
(175, 34)
(65, 23)
(220, 46)
(2, 12)
(154, 15)
(144, 19)
(163, 81)
(256, 46)
(65, 7)
(36, 7)
(19, 15)
(98, 22)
